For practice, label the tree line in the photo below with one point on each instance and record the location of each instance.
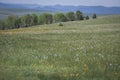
(27, 20)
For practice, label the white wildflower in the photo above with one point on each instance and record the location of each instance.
(110, 64)
(77, 55)
(77, 59)
(55, 55)
(45, 57)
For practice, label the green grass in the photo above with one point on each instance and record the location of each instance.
(79, 50)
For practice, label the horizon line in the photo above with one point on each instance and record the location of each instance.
(57, 4)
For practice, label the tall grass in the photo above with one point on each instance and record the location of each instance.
(79, 50)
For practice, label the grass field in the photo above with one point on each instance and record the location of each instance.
(79, 50)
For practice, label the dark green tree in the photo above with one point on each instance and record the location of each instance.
(13, 22)
(10, 22)
(45, 18)
(34, 19)
(94, 16)
(60, 17)
(79, 15)
(50, 18)
(2, 25)
(40, 19)
(18, 22)
(87, 17)
(26, 20)
(70, 16)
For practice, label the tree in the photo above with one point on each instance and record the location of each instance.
(79, 15)
(2, 25)
(34, 19)
(50, 18)
(40, 20)
(87, 17)
(13, 22)
(60, 24)
(26, 20)
(60, 17)
(10, 22)
(45, 18)
(18, 22)
(70, 16)
(94, 16)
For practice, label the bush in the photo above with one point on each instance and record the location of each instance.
(94, 16)
(60, 24)
(60, 17)
(87, 17)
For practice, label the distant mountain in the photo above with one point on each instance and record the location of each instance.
(20, 9)
(84, 9)
(27, 6)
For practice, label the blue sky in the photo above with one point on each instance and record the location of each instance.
(67, 2)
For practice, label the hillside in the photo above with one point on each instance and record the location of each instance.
(79, 50)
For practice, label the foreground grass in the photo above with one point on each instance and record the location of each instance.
(80, 50)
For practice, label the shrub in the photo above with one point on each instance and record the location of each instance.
(94, 16)
(87, 17)
(60, 17)
(60, 24)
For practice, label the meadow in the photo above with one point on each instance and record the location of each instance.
(78, 50)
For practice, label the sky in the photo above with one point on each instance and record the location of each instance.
(108, 3)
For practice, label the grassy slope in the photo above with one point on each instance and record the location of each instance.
(83, 50)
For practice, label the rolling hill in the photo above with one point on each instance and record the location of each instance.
(79, 50)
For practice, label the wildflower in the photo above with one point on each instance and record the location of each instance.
(51, 66)
(55, 55)
(45, 57)
(110, 64)
(77, 59)
(77, 55)
(77, 74)
(85, 68)
(101, 55)
(59, 56)
(71, 75)
(115, 73)
(65, 75)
